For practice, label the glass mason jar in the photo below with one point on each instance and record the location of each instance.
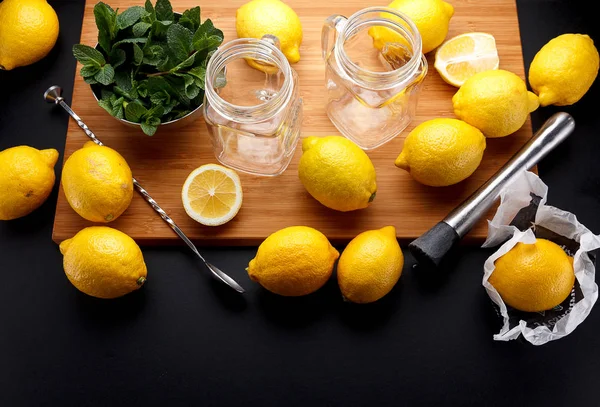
(252, 106)
(374, 72)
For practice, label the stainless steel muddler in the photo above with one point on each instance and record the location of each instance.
(53, 95)
(431, 247)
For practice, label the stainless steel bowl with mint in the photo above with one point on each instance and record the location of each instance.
(147, 69)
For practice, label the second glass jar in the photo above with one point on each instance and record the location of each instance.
(374, 71)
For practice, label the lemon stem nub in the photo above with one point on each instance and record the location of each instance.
(372, 198)
(140, 281)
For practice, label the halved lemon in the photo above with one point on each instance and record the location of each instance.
(212, 194)
(463, 56)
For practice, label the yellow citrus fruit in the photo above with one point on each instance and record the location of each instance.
(26, 180)
(564, 69)
(212, 194)
(103, 262)
(337, 173)
(98, 183)
(441, 152)
(28, 31)
(261, 17)
(497, 102)
(293, 261)
(464, 55)
(534, 277)
(431, 17)
(370, 265)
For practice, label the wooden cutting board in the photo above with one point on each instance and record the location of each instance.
(162, 163)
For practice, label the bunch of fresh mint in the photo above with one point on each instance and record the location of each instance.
(150, 63)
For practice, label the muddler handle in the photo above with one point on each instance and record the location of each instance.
(431, 247)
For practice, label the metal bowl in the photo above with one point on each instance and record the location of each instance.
(173, 124)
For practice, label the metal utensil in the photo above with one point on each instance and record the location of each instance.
(432, 246)
(53, 95)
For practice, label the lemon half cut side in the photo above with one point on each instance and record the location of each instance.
(212, 194)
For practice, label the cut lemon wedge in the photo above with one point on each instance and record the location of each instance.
(212, 194)
(463, 56)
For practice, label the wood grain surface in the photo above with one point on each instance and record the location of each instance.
(162, 163)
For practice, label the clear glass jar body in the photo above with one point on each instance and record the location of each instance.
(372, 92)
(252, 106)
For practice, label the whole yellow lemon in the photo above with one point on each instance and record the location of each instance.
(497, 102)
(293, 261)
(564, 69)
(431, 17)
(442, 152)
(28, 31)
(337, 173)
(370, 265)
(26, 180)
(103, 262)
(261, 17)
(534, 277)
(97, 182)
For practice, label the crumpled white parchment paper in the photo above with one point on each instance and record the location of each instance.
(521, 217)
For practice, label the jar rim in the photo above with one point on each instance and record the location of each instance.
(354, 22)
(236, 49)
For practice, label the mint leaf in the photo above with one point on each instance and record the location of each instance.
(130, 41)
(178, 89)
(159, 29)
(198, 72)
(89, 70)
(117, 112)
(154, 120)
(164, 10)
(192, 91)
(129, 95)
(187, 63)
(191, 19)
(155, 112)
(134, 111)
(153, 55)
(90, 81)
(106, 105)
(117, 108)
(123, 80)
(159, 98)
(106, 21)
(149, 7)
(117, 57)
(142, 89)
(138, 55)
(88, 55)
(169, 106)
(179, 40)
(129, 17)
(207, 37)
(149, 129)
(139, 29)
(105, 75)
(158, 84)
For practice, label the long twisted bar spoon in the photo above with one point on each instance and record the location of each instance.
(53, 95)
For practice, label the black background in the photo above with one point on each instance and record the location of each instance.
(184, 340)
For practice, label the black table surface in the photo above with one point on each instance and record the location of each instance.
(185, 340)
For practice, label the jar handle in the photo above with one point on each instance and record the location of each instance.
(334, 24)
